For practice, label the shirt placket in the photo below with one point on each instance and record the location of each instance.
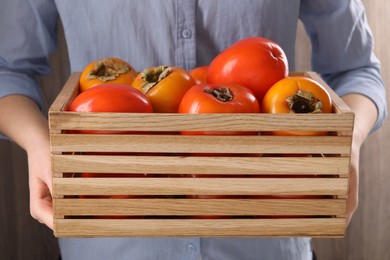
(185, 49)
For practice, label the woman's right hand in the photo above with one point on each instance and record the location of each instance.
(40, 183)
(23, 122)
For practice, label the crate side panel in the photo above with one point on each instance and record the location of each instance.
(328, 227)
(201, 144)
(182, 207)
(67, 94)
(200, 186)
(201, 164)
(200, 122)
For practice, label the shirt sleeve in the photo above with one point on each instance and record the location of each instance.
(28, 34)
(342, 49)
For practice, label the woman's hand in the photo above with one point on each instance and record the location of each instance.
(23, 122)
(40, 183)
(353, 191)
(365, 117)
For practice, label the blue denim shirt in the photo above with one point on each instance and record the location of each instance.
(185, 33)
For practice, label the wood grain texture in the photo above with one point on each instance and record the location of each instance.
(203, 186)
(213, 228)
(183, 207)
(201, 164)
(199, 122)
(201, 144)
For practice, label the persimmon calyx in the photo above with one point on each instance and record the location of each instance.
(304, 102)
(152, 77)
(222, 94)
(107, 69)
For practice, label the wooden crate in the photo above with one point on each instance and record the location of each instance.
(162, 205)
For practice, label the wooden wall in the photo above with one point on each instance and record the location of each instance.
(368, 236)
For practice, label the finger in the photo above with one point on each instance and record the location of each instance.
(43, 213)
(41, 207)
(353, 195)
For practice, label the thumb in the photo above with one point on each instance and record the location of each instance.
(41, 207)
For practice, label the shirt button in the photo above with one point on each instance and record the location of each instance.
(191, 247)
(186, 33)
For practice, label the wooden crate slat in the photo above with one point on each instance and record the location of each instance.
(200, 144)
(321, 227)
(67, 94)
(161, 122)
(181, 207)
(200, 164)
(203, 186)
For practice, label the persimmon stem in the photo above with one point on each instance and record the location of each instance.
(304, 102)
(107, 69)
(222, 94)
(153, 76)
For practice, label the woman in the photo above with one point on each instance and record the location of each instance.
(186, 33)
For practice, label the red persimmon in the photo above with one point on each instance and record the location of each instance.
(256, 63)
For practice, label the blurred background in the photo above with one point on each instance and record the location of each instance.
(368, 236)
